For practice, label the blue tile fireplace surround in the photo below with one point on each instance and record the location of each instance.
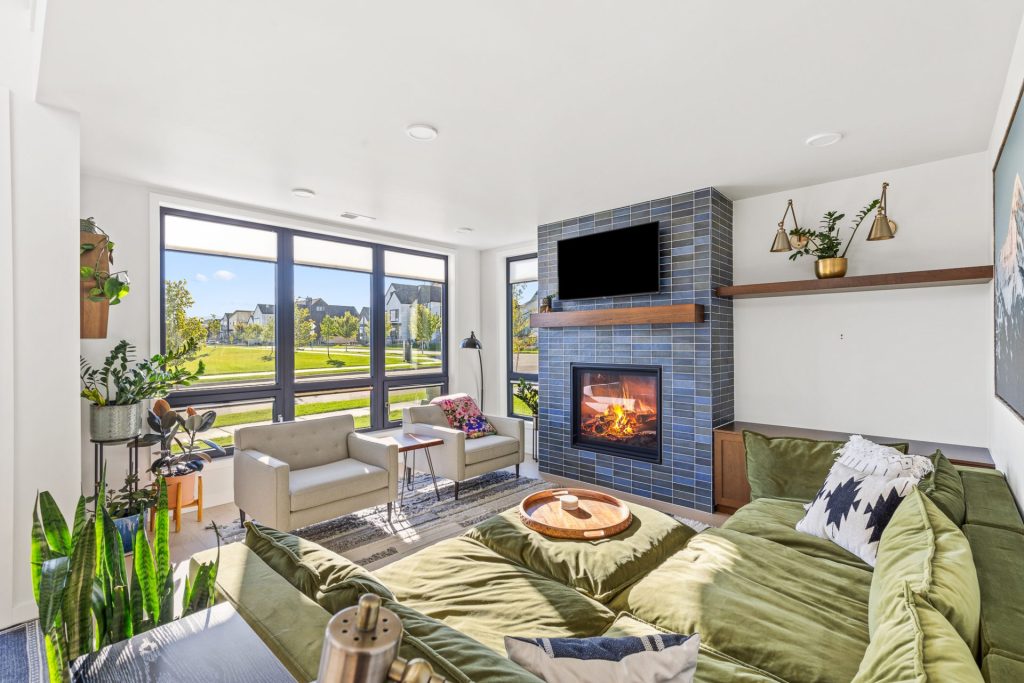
(696, 359)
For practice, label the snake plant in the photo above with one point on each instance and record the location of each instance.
(87, 597)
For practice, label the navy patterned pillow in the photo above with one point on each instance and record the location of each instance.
(657, 658)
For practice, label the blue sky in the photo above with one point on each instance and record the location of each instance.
(221, 284)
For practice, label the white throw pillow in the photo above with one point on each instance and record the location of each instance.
(659, 658)
(883, 461)
(853, 508)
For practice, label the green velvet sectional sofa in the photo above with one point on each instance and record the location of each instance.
(945, 601)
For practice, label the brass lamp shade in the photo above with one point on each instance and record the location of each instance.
(881, 229)
(781, 242)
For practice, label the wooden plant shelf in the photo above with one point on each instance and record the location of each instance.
(678, 313)
(862, 283)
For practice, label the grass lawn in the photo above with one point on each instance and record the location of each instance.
(519, 408)
(307, 409)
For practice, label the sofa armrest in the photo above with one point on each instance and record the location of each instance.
(261, 488)
(508, 426)
(448, 434)
(379, 454)
(450, 459)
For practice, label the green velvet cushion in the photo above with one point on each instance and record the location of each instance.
(469, 587)
(774, 608)
(288, 622)
(944, 487)
(775, 520)
(989, 500)
(334, 582)
(789, 467)
(999, 669)
(923, 548)
(998, 555)
(600, 568)
(914, 643)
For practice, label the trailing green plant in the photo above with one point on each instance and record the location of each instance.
(827, 241)
(174, 429)
(108, 286)
(130, 499)
(122, 380)
(86, 598)
(528, 394)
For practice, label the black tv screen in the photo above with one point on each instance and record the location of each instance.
(612, 263)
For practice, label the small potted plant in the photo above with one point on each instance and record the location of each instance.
(100, 288)
(547, 302)
(182, 452)
(127, 507)
(826, 243)
(118, 388)
(530, 396)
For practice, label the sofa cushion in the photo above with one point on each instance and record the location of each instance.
(923, 548)
(989, 500)
(999, 669)
(290, 624)
(913, 642)
(944, 487)
(332, 482)
(775, 520)
(998, 554)
(789, 467)
(302, 444)
(490, 447)
(757, 602)
(599, 568)
(471, 588)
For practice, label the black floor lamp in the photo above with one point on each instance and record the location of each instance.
(473, 343)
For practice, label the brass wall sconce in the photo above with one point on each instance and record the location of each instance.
(883, 228)
(784, 242)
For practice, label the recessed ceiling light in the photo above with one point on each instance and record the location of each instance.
(352, 216)
(421, 132)
(823, 139)
(463, 231)
(303, 192)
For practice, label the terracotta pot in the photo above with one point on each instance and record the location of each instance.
(93, 315)
(187, 482)
(830, 267)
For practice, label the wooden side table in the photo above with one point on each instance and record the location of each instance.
(213, 645)
(410, 443)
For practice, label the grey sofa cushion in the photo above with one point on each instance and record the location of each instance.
(490, 447)
(335, 481)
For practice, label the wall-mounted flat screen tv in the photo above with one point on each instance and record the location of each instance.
(611, 263)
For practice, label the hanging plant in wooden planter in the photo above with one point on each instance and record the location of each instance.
(100, 288)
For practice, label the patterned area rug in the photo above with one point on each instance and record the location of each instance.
(21, 654)
(366, 537)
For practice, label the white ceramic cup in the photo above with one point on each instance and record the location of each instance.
(569, 502)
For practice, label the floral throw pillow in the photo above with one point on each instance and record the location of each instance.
(463, 414)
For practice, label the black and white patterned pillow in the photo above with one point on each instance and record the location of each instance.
(658, 658)
(853, 508)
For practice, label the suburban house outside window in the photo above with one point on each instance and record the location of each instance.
(521, 301)
(285, 325)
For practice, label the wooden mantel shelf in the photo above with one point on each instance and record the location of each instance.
(861, 283)
(640, 315)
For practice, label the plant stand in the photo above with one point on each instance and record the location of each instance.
(99, 460)
(176, 506)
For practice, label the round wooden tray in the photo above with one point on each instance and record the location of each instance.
(598, 516)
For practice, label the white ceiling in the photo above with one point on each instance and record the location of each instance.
(547, 109)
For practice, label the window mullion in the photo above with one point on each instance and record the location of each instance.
(285, 325)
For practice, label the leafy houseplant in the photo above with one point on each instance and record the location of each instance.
(826, 243)
(100, 288)
(528, 394)
(182, 451)
(127, 507)
(117, 388)
(85, 597)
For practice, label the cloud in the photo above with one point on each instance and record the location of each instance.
(224, 275)
(201, 278)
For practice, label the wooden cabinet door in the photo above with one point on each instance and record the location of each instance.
(730, 472)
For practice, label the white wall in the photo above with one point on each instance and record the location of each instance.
(39, 412)
(1007, 429)
(130, 213)
(912, 363)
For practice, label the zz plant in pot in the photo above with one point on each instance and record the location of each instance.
(127, 507)
(86, 598)
(826, 243)
(117, 388)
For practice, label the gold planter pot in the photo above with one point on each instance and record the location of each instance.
(830, 267)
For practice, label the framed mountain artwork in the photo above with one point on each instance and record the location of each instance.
(1008, 211)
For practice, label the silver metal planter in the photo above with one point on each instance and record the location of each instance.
(115, 423)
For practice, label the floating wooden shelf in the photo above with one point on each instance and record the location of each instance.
(679, 313)
(861, 283)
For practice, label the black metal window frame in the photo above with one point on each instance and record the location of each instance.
(283, 391)
(511, 374)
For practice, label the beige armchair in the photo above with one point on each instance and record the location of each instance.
(292, 474)
(461, 458)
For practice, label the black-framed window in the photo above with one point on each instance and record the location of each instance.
(521, 340)
(296, 325)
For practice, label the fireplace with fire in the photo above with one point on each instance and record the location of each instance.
(616, 409)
